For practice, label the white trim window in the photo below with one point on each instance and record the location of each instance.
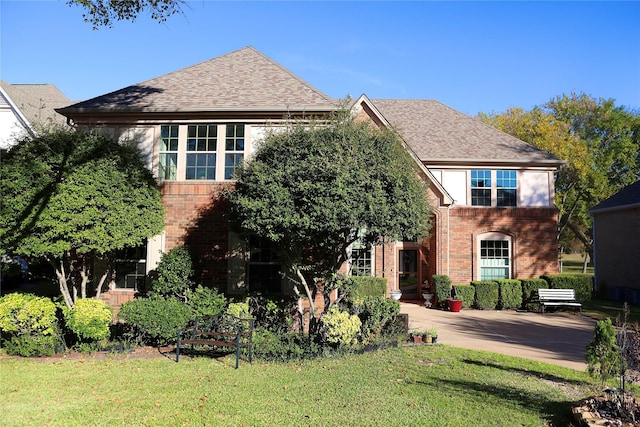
(495, 257)
(189, 152)
(497, 188)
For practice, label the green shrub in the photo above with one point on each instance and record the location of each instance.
(581, 284)
(340, 328)
(367, 286)
(173, 274)
(89, 319)
(239, 309)
(283, 346)
(510, 291)
(155, 320)
(272, 314)
(442, 284)
(530, 293)
(28, 324)
(487, 294)
(374, 313)
(603, 354)
(206, 302)
(466, 293)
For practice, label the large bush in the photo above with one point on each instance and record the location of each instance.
(89, 319)
(368, 286)
(442, 283)
(206, 302)
(155, 320)
(466, 293)
(173, 275)
(510, 293)
(487, 294)
(340, 328)
(28, 324)
(375, 313)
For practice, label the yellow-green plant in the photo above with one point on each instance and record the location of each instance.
(28, 324)
(340, 327)
(89, 319)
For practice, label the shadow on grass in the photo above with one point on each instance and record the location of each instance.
(556, 412)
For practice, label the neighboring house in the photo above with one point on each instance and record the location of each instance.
(23, 107)
(616, 241)
(494, 194)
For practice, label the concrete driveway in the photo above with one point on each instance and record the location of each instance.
(559, 337)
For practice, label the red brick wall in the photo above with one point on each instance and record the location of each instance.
(534, 240)
(197, 215)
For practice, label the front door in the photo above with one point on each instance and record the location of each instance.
(408, 273)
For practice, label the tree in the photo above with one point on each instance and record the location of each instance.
(102, 13)
(600, 142)
(69, 197)
(314, 189)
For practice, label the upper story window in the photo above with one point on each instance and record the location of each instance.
(194, 152)
(494, 188)
(506, 188)
(202, 142)
(234, 150)
(481, 188)
(168, 153)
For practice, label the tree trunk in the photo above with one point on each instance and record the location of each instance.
(62, 281)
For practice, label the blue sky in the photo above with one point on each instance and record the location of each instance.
(473, 56)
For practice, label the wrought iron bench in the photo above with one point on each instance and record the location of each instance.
(221, 331)
(558, 297)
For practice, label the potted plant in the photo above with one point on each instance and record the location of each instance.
(396, 294)
(455, 304)
(430, 335)
(416, 336)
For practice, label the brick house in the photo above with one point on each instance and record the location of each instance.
(494, 194)
(616, 233)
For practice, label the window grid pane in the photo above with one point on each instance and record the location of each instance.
(168, 153)
(481, 187)
(495, 259)
(506, 184)
(202, 141)
(235, 138)
(232, 163)
(361, 262)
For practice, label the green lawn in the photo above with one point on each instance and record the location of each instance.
(408, 386)
(572, 264)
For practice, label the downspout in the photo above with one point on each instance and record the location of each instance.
(448, 239)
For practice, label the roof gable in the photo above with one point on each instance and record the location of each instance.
(626, 198)
(37, 102)
(440, 134)
(244, 80)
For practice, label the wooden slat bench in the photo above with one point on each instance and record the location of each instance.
(558, 297)
(223, 330)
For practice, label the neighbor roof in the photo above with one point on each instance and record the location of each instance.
(628, 197)
(439, 135)
(244, 80)
(37, 101)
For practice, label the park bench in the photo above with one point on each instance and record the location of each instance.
(216, 332)
(558, 297)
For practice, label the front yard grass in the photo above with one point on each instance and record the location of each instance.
(406, 386)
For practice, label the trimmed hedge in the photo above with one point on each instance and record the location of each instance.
(487, 294)
(582, 285)
(466, 293)
(530, 293)
(442, 283)
(510, 293)
(367, 286)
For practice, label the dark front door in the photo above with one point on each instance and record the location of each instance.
(408, 272)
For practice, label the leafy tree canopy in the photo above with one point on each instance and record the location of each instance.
(77, 194)
(600, 142)
(103, 13)
(317, 188)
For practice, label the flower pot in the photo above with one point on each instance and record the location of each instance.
(428, 299)
(427, 338)
(417, 339)
(455, 305)
(396, 295)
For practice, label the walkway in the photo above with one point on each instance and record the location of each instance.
(559, 338)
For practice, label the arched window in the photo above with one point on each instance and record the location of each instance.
(494, 253)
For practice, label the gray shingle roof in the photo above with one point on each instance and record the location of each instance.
(625, 198)
(439, 134)
(37, 101)
(244, 80)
